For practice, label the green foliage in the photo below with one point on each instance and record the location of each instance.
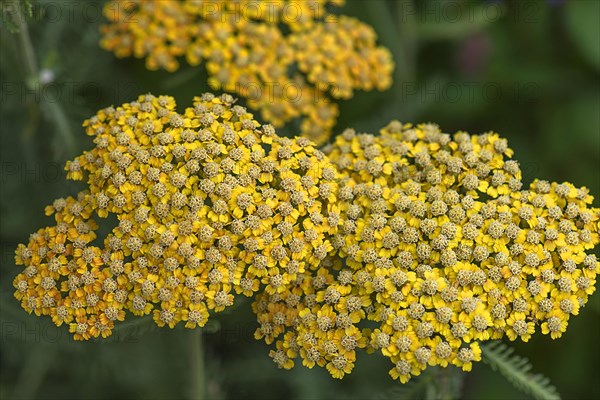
(474, 19)
(13, 12)
(582, 22)
(517, 370)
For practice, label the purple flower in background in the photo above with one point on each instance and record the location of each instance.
(473, 53)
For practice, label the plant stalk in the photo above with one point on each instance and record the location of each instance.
(28, 53)
(198, 368)
(52, 110)
(448, 382)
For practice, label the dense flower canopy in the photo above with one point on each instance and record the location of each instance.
(412, 243)
(208, 203)
(289, 59)
(439, 248)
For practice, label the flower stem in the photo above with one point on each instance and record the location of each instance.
(407, 37)
(198, 385)
(448, 383)
(11, 10)
(29, 59)
(50, 108)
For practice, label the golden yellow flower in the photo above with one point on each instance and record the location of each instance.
(415, 244)
(209, 203)
(285, 73)
(440, 246)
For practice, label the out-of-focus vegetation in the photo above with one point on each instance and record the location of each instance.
(527, 69)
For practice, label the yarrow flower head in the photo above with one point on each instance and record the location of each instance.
(288, 58)
(413, 243)
(209, 204)
(440, 247)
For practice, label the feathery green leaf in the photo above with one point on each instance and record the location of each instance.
(517, 370)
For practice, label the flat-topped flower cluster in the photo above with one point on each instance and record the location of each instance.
(288, 58)
(439, 247)
(209, 203)
(412, 243)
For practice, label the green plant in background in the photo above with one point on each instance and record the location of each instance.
(15, 14)
(280, 322)
(517, 370)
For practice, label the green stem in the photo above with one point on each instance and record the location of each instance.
(387, 27)
(431, 392)
(448, 382)
(28, 53)
(33, 120)
(443, 384)
(407, 37)
(52, 109)
(57, 115)
(31, 75)
(198, 371)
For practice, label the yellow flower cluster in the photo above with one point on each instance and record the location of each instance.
(207, 203)
(412, 243)
(288, 58)
(439, 248)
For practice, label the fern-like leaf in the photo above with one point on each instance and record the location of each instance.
(517, 370)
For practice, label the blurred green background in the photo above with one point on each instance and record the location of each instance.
(527, 69)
